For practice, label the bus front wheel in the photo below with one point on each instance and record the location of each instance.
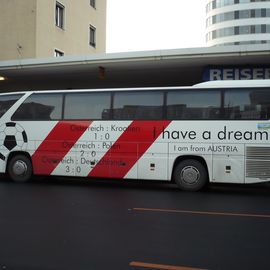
(190, 175)
(20, 168)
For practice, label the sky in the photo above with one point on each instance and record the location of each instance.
(138, 25)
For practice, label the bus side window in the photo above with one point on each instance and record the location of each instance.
(247, 104)
(40, 107)
(145, 105)
(83, 106)
(194, 104)
(262, 98)
(6, 101)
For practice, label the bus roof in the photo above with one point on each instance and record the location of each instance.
(233, 83)
(204, 85)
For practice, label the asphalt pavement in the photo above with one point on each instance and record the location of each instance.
(75, 224)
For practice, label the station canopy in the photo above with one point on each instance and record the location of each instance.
(177, 67)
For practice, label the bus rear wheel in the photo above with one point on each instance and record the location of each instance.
(20, 168)
(190, 175)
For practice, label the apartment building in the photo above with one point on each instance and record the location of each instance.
(40, 29)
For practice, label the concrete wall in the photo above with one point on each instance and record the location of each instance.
(73, 39)
(17, 29)
(28, 30)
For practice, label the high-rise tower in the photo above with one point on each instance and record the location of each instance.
(237, 22)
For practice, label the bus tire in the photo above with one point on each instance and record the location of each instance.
(20, 168)
(190, 175)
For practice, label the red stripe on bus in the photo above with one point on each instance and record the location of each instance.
(57, 144)
(128, 149)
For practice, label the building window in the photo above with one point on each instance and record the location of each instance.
(59, 15)
(93, 3)
(92, 36)
(58, 53)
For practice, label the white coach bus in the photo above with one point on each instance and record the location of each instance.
(211, 132)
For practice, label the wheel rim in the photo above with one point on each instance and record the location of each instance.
(190, 175)
(19, 168)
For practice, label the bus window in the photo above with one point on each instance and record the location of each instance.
(247, 104)
(193, 104)
(138, 105)
(87, 106)
(6, 101)
(40, 107)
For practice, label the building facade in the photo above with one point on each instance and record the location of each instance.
(38, 28)
(237, 22)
